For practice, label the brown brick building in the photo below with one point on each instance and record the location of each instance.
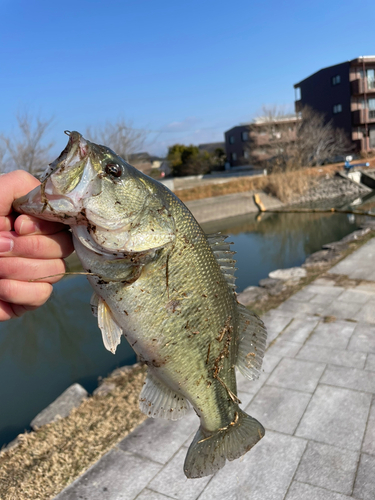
(345, 94)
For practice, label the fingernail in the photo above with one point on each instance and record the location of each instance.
(6, 245)
(27, 227)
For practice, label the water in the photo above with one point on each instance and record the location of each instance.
(45, 351)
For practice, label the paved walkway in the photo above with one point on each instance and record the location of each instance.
(315, 399)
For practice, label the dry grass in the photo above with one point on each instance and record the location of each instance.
(49, 459)
(286, 185)
(282, 185)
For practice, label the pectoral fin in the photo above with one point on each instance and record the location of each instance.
(111, 331)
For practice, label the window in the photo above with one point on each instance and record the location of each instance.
(297, 93)
(246, 154)
(336, 80)
(370, 75)
(231, 139)
(371, 107)
(244, 136)
(337, 108)
(234, 156)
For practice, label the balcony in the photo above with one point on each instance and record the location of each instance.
(362, 86)
(361, 116)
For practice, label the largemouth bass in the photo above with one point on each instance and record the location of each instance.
(167, 287)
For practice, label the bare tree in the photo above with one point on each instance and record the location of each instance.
(120, 136)
(289, 142)
(318, 141)
(26, 149)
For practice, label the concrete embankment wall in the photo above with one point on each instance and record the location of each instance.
(230, 205)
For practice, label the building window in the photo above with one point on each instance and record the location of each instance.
(336, 80)
(234, 156)
(297, 93)
(231, 139)
(370, 75)
(245, 136)
(246, 154)
(371, 108)
(337, 108)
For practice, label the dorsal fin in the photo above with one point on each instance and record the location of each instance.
(224, 256)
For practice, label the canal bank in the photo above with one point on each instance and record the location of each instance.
(113, 473)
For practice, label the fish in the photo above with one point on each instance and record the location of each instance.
(165, 285)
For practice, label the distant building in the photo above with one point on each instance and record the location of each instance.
(345, 94)
(253, 143)
(146, 162)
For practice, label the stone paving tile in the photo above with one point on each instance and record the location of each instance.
(364, 487)
(330, 291)
(363, 339)
(264, 473)
(332, 356)
(172, 481)
(118, 475)
(335, 335)
(342, 310)
(292, 306)
(370, 362)
(151, 495)
(351, 378)
(328, 467)
(366, 313)
(150, 438)
(323, 299)
(357, 296)
(278, 409)
(336, 416)
(270, 362)
(296, 374)
(369, 440)
(275, 323)
(283, 348)
(301, 491)
(300, 328)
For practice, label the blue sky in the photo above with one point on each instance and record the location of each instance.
(185, 70)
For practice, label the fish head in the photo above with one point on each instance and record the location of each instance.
(92, 188)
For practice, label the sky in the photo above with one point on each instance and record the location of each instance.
(184, 71)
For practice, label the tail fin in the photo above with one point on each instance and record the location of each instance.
(208, 452)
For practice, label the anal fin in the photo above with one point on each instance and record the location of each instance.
(159, 401)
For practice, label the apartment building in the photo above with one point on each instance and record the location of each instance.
(345, 94)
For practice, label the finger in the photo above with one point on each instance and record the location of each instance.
(7, 222)
(54, 246)
(9, 311)
(26, 224)
(12, 186)
(21, 269)
(23, 293)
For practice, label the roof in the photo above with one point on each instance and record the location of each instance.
(356, 60)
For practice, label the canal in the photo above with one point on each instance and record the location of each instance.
(46, 350)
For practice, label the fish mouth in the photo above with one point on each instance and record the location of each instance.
(71, 178)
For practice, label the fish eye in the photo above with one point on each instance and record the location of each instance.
(113, 169)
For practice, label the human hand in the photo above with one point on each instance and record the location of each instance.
(30, 248)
